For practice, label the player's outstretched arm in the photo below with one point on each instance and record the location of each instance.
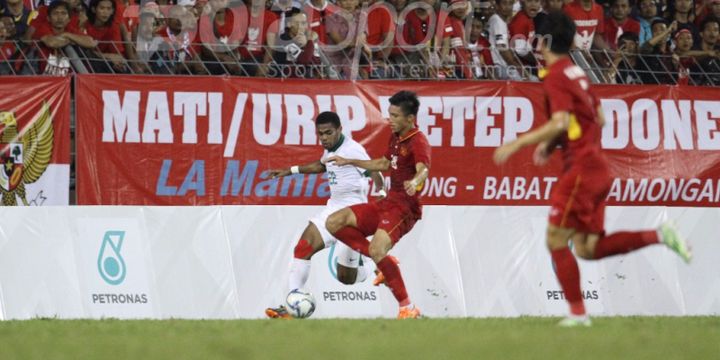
(380, 164)
(315, 167)
(421, 174)
(557, 125)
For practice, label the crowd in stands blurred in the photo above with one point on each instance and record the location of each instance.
(617, 41)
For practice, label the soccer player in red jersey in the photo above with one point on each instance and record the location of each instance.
(578, 199)
(408, 158)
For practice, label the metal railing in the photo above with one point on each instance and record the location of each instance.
(162, 57)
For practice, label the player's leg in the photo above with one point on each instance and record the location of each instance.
(352, 224)
(395, 223)
(349, 269)
(568, 273)
(310, 242)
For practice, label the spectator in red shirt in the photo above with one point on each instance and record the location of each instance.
(589, 22)
(317, 11)
(682, 58)
(454, 46)
(479, 50)
(102, 27)
(342, 35)
(380, 38)
(221, 39)
(619, 22)
(418, 43)
(417, 23)
(522, 32)
(259, 40)
(57, 35)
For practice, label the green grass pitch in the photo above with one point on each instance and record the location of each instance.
(493, 338)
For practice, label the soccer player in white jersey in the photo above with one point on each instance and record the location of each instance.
(348, 186)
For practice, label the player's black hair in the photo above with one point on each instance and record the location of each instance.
(407, 101)
(56, 4)
(328, 117)
(561, 29)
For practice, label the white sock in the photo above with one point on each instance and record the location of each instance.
(361, 274)
(299, 273)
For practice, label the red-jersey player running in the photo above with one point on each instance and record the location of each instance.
(578, 199)
(408, 158)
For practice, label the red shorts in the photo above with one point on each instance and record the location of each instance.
(396, 218)
(578, 200)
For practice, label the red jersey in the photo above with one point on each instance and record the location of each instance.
(379, 25)
(613, 30)
(45, 30)
(568, 89)
(316, 19)
(587, 23)
(256, 37)
(403, 154)
(458, 45)
(522, 32)
(416, 29)
(110, 41)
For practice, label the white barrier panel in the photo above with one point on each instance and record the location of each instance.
(232, 262)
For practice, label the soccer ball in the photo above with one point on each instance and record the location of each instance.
(300, 303)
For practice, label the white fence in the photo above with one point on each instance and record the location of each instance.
(231, 262)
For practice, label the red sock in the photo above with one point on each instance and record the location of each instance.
(354, 238)
(303, 249)
(394, 280)
(568, 275)
(624, 242)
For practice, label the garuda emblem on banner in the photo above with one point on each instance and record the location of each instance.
(24, 156)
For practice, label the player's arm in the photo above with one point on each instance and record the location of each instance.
(379, 182)
(315, 167)
(380, 164)
(421, 174)
(557, 125)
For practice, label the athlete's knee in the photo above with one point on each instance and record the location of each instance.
(380, 246)
(346, 275)
(303, 250)
(584, 251)
(336, 221)
(557, 237)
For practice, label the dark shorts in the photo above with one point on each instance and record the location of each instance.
(578, 200)
(395, 218)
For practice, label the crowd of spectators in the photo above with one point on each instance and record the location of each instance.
(619, 41)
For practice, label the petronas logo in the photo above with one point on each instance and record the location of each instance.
(110, 263)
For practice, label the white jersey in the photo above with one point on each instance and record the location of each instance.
(347, 183)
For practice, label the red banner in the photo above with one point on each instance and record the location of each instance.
(209, 140)
(35, 140)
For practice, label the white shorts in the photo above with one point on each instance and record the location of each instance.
(345, 255)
